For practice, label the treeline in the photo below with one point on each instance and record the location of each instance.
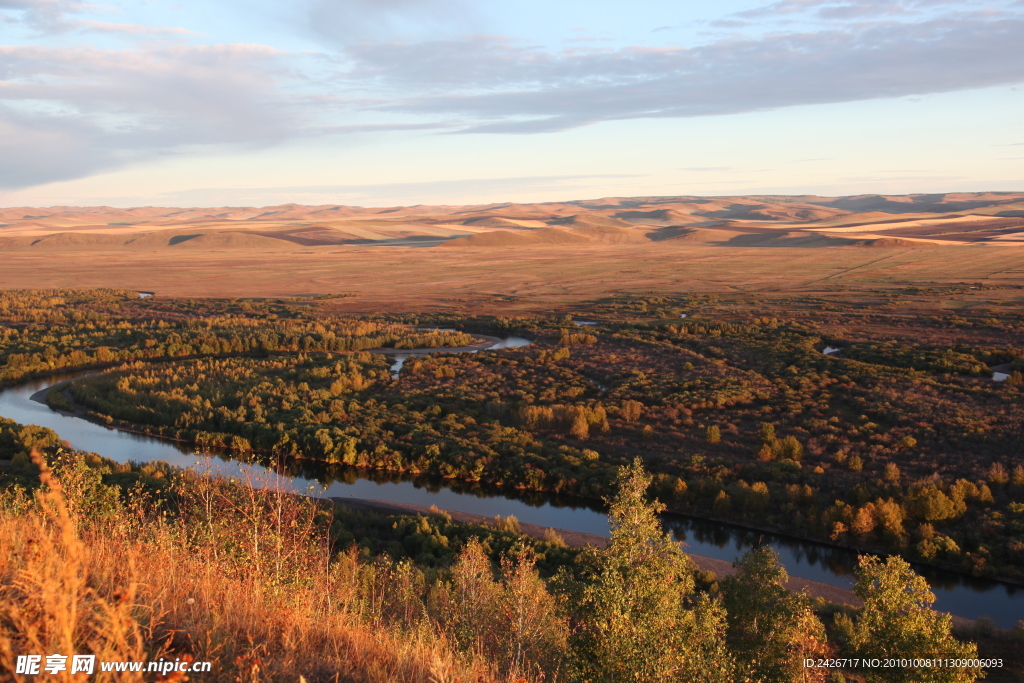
(48, 330)
(918, 358)
(743, 420)
(878, 456)
(523, 419)
(228, 574)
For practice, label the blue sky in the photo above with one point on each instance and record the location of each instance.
(385, 102)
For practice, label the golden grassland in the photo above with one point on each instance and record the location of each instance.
(131, 589)
(407, 279)
(522, 257)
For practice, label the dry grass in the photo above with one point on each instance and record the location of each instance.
(573, 251)
(405, 279)
(249, 588)
(50, 601)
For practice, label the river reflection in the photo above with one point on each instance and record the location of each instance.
(398, 358)
(956, 593)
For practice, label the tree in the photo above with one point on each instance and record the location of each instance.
(898, 622)
(580, 428)
(930, 504)
(714, 434)
(864, 521)
(535, 633)
(631, 410)
(643, 625)
(470, 603)
(771, 630)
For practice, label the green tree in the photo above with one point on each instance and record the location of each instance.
(644, 625)
(898, 622)
(771, 629)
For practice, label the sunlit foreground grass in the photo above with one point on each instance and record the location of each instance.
(250, 589)
(213, 570)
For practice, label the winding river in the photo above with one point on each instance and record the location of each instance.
(957, 593)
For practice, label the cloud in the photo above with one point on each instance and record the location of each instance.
(46, 16)
(384, 127)
(846, 9)
(512, 88)
(344, 22)
(52, 17)
(131, 29)
(69, 112)
(40, 149)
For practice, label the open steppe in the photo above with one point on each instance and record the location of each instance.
(702, 326)
(516, 257)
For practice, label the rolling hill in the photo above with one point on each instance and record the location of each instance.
(994, 219)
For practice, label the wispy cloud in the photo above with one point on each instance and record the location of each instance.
(512, 88)
(384, 127)
(131, 29)
(58, 16)
(344, 22)
(68, 112)
(47, 16)
(847, 9)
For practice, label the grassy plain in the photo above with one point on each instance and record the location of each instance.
(524, 258)
(902, 443)
(533, 279)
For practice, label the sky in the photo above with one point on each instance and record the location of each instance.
(401, 102)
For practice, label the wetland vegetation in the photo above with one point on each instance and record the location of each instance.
(901, 443)
(896, 446)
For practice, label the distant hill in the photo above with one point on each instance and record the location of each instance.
(589, 220)
(993, 218)
(237, 240)
(504, 238)
(896, 243)
(658, 216)
(499, 222)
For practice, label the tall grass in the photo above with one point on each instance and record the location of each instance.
(244, 578)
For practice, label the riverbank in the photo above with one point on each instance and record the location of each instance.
(486, 342)
(578, 539)
(78, 411)
(799, 555)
